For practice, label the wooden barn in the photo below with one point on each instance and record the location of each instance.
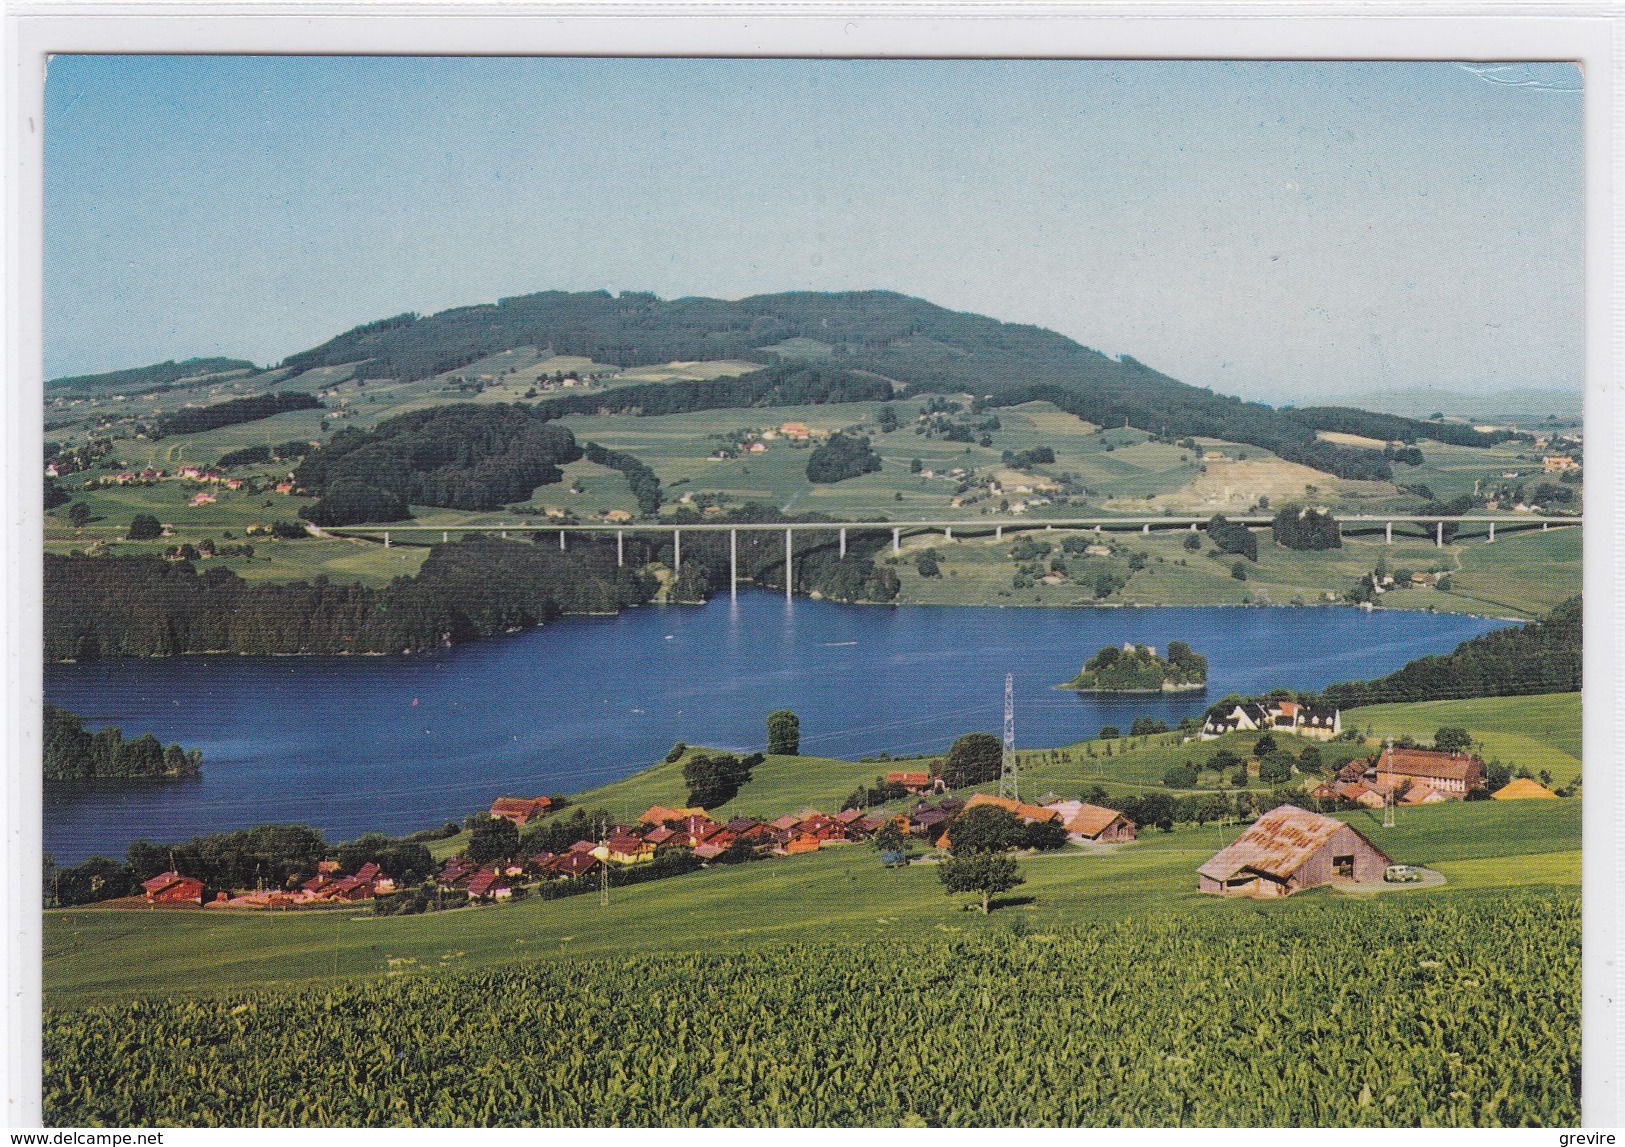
(1452, 774)
(1287, 850)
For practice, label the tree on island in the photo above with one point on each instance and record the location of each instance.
(783, 733)
(1138, 669)
(974, 759)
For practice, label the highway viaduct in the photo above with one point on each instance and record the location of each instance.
(966, 527)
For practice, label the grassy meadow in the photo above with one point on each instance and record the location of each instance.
(838, 894)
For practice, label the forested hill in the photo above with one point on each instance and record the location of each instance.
(912, 341)
(1541, 657)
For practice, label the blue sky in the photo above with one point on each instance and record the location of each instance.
(1275, 230)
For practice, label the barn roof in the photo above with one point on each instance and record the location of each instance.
(1090, 819)
(1524, 789)
(1027, 812)
(162, 881)
(1277, 844)
(1428, 763)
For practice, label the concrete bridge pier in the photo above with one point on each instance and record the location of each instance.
(1193, 527)
(504, 535)
(386, 539)
(896, 540)
(1492, 531)
(998, 533)
(1438, 535)
(789, 570)
(733, 563)
(561, 540)
(1389, 533)
(1544, 526)
(620, 547)
(1145, 529)
(948, 533)
(676, 550)
(843, 541)
(445, 535)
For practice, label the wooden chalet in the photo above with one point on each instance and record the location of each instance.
(801, 842)
(1452, 774)
(173, 888)
(574, 865)
(1287, 850)
(625, 848)
(520, 809)
(709, 851)
(915, 782)
(1096, 823)
(696, 829)
(541, 863)
(661, 835)
(1357, 793)
(823, 828)
(489, 884)
(1029, 813)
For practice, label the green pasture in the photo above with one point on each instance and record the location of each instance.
(1535, 732)
(838, 894)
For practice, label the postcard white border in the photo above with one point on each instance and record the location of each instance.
(1480, 32)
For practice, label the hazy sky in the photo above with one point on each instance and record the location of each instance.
(1270, 230)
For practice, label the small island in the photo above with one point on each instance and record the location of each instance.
(1138, 669)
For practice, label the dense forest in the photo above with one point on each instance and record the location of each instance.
(464, 457)
(1541, 657)
(193, 419)
(880, 332)
(143, 378)
(782, 384)
(73, 753)
(1391, 427)
(144, 606)
(640, 476)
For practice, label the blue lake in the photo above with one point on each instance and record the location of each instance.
(351, 744)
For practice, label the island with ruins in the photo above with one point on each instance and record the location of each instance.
(1137, 669)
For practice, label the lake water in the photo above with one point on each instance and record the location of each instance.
(351, 744)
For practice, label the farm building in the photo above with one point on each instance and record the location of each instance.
(1524, 789)
(173, 888)
(1452, 774)
(520, 809)
(660, 814)
(1092, 822)
(1289, 849)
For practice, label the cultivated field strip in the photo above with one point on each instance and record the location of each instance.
(1399, 1012)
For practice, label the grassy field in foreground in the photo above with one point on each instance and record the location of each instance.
(1398, 1011)
(1540, 732)
(840, 894)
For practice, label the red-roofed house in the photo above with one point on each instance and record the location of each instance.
(489, 884)
(173, 888)
(520, 809)
(660, 835)
(915, 783)
(576, 864)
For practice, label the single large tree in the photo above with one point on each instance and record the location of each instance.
(985, 873)
(144, 527)
(783, 733)
(985, 828)
(1452, 739)
(974, 759)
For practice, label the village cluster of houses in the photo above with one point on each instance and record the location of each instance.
(326, 887)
